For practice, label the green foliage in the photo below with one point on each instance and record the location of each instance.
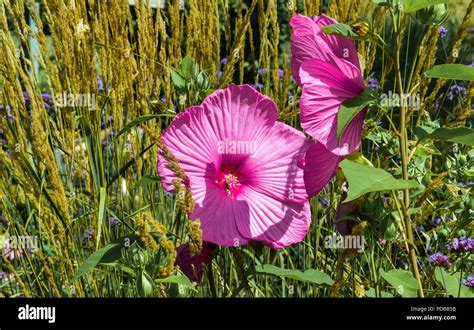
(402, 281)
(313, 276)
(364, 179)
(339, 29)
(351, 107)
(189, 80)
(451, 71)
(413, 5)
(452, 283)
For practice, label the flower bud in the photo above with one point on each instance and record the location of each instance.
(360, 28)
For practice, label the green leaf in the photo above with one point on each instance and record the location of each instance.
(451, 71)
(462, 135)
(364, 179)
(371, 294)
(452, 284)
(389, 228)
(427, 149)
(106, 254)
(144, 285)
(351, 107)
(188, 68)
(177, 279)
(402, 280)
(177, 79)
(102, 198)
(139, 120)
(413, 5)
(310, 275)
(359, 158)
(339, 29)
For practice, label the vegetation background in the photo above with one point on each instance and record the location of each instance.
(85, 183)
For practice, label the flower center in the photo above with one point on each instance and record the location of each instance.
(229, 182)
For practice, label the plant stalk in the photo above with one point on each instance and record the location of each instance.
(404, 159)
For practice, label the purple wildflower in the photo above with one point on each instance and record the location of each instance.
(88, 235)
(114, 221)
(163, 99)
(439, 259)
(469, 281)
(100, 85)
(436, 222)
(11, 250)
(281, 73)
(461, 244)
(262, 70)
(324, 202)
(46, 97)
(219, 74)
(224, 61)
(258, 86)
(420, 228)
(443, 31)
(373, 83)
(456, 90)
(376, 148)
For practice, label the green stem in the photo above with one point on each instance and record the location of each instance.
(404, 158)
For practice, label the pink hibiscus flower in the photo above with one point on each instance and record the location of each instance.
(327, 66)
(245, 169)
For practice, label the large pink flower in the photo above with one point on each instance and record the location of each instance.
(327, 67)
(245, 169)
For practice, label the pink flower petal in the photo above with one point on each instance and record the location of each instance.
(194, 135)
(308, 41)
(240, 113)
(325, 88)
(276, 224)
(320, 167)
(192, 141)
(219, 216)
(274, 167)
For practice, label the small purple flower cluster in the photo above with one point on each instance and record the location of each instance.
(324, 202)
(88, 236)
(281, 73)
(11, 251)
(469, 281)
(439, 259)
(456, 90)
(443, 31)
(461, 244)
(114, 221)
(373, 83)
